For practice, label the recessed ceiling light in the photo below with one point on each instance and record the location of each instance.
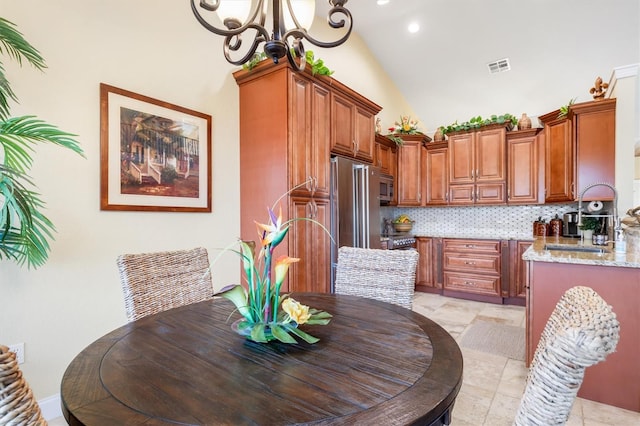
(414, 27)
(382, 2)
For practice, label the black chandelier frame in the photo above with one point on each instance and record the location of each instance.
(276, 44)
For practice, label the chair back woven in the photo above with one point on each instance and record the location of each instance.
(155, 282)
(581, 331)
(17, 403)
(386, 275)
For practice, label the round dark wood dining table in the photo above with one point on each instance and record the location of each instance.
(375, 364)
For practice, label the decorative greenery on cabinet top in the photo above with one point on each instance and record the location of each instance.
(475, 123)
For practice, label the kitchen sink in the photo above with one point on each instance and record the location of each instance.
(577, 248)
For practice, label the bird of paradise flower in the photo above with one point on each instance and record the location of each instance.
(266, 314)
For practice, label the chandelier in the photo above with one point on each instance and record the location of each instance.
(291, 20)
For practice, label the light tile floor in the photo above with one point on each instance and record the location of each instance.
(492, 385)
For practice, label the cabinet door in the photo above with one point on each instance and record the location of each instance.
(425, 274)
(462, 194)
(300, 133)
(517, 284)
(384, 158)
(437, 171)
(595, 133)
(490, 155)
(409, 174)
(490, 193)
(342, 129)
(522, 170)
(461, 161)
(309, 243)
(365, 134)
(320, 165)
(559, 160)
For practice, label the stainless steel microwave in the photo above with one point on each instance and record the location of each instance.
(386, 189)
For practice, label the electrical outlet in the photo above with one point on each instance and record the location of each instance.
(18, 349)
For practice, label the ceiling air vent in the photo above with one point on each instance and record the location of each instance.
(500, 65)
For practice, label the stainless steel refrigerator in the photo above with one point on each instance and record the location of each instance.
(355, 207)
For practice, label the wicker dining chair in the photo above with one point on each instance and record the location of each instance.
(155, 282)
(581, 331)
(17, 403)
(386, 275)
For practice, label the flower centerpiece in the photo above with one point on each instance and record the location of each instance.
(266, 314)
(406, 126)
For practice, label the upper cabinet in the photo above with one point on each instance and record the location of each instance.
(477, 166)
(525, 167)
(353, 126)
(436, 168)
(410, 173)
(386, 158)
(594, 126)
(579, 151)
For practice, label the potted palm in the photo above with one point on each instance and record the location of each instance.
(25, 231)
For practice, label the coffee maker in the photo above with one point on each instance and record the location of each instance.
(570, 225)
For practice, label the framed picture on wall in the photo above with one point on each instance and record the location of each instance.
(154, 156)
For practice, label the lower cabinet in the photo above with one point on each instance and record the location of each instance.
(473, 269)
(428, 274)
(516, 289)
(484, 270)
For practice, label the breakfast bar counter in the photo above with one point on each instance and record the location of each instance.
(616, 278)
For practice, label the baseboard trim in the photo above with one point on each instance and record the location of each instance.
(51, 407)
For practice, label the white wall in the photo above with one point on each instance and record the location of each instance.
(155, 48)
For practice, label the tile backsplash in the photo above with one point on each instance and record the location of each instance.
(504, 222)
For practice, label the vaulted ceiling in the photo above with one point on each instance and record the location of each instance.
(556, 49)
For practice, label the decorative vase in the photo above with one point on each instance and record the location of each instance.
(438, 136)
(524, 122)
(246, 331)
(587, 235)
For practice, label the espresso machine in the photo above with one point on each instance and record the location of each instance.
(570, 225)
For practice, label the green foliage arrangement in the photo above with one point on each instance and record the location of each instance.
(317, 65)
(24, 230)
(478, 122)
(564, 109)
(589, 222)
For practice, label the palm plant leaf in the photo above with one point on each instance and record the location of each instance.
(13, 44)
(19, 134)
(24, 230)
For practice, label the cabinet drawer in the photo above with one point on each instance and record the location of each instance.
(475, 246)
(470, 283)
(472, 262)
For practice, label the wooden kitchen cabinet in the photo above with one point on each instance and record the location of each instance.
(559, 158)
(410, 175)
(525, 167)
(428, 276)
(386, 155)
(477, 166)
(436, 168)
(353, 127)
(309, 151)
(472, 269)
(579, 151)
(594, 126)
(313, 271)
(286, 127)
(517, 284)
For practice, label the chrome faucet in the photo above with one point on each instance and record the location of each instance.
(616, 219)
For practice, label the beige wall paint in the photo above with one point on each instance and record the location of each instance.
(155, 48)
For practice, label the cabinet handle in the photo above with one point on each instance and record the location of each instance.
(469, 246)
(469, 263)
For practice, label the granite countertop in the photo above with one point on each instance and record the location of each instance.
(475, 234)
(609, 257)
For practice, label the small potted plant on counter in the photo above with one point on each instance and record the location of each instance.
(588, 225)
